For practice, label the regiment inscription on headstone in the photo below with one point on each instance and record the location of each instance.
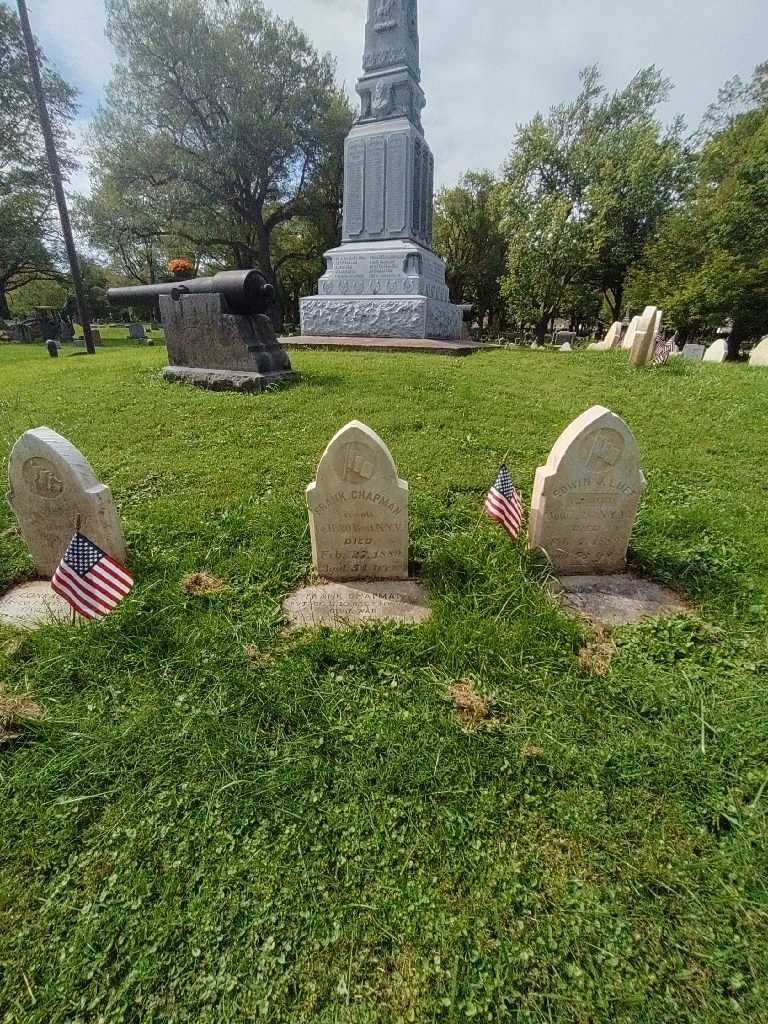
(358, 510)
(585, 498)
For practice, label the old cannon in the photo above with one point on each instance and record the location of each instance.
(217, 331)
(245, 292)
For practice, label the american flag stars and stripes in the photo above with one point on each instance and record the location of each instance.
(663, 350)
(504, 505)
(90, 580)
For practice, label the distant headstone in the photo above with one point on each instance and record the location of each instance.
(759, 355)
(613, 337)
(695, 352)
(358, 510)
(611, 340)
(563, 338)
(51, 485)
(644, 342)
(585, 498)
(137, 332)
(629, 337)
(717, 352)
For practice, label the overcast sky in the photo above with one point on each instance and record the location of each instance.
(486, 64)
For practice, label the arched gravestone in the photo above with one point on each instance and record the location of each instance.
(51, 485)
(585, 499)
(717, 352)
(613, 337)
(759, 355)
(645, 337)
(358, 510)
(629, 337)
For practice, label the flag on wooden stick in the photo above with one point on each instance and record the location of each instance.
(504, 504)
(90, 580)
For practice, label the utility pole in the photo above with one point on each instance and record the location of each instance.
(53, 163)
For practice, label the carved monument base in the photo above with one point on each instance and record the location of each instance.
(226, 380)
(378, 316)
(393, 289)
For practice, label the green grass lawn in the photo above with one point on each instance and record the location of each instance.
(215, 822)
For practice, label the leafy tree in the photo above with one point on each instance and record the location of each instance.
(709, 262)
(219, 126)
(29, 243)
(584, 190)
(468, 237)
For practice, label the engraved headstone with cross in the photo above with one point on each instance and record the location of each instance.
(358, 510)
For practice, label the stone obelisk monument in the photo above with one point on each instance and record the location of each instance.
(384, 281)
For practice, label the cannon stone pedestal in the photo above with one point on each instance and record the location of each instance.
(221, 351)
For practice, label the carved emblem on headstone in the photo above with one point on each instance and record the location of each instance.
(52, 490)
(40, 474)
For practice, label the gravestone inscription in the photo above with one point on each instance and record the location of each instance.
(52, 488)
(358, 510)
(585, 498)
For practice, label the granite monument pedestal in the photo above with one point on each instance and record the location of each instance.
(221, 351)
(384, 281)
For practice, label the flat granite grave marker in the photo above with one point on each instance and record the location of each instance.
(52, 487)
(358, 510)
(585, 498)
(695, 352)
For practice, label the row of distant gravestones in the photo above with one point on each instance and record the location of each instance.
(583, 509)
(640, 338)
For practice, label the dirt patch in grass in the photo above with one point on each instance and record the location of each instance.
(597, 654)
(15, 712)
(472, 710)
(531, 753)
(202, 584)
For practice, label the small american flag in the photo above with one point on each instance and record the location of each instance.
(504, 505)
(663, 349)
(91, 581)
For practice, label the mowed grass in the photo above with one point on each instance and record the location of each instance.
(216, 822)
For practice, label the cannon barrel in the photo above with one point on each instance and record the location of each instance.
(246, 292)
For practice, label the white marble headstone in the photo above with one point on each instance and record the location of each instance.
(585, 498)
(717, 352)
(759, 354)
(358, 510)
(645, 337)
(629, 337)
(51, 488)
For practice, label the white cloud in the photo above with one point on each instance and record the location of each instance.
(488, 66)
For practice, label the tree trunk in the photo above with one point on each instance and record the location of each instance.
(733, 343)
(5, 312)
(541, 328)
(614, 298)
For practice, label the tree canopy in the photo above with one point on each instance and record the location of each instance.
(221, 125)
(584, 190)
(708, 265)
